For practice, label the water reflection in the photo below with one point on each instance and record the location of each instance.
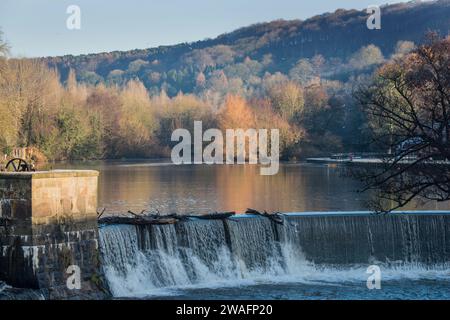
(162, 186)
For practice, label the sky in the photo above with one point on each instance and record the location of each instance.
(36, 28)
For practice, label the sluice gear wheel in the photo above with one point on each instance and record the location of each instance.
(18, 165)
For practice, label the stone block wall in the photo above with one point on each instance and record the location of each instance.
(48, 222)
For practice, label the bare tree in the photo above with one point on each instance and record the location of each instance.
(408, 105)
(4, 48)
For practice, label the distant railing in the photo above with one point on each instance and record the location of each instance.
(361, 155)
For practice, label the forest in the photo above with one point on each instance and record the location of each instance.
(275, 75)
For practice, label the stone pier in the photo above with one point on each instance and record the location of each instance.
(49, 233)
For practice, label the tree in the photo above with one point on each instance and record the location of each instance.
(200, 81)
(180, 112)
(322, 118)
(303, 72)
(66, 136)
(244, 70)
(31, 91)
(287, 99)
(137, 124)
(7, 131)
(104, 103)
(4, 48)
(402, 48)
(410, 101)
(136, 65)
(365, 57)
(236, 114)
(290, 134)
(200, 59)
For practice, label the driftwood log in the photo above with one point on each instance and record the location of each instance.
(275, 217)
(214, 216)
(136, 220)
(156, 219)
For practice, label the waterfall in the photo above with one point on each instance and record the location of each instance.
(147, 260)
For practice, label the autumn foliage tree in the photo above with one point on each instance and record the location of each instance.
(137, 123)
(287, 99)
(291, 134)
(236, 114)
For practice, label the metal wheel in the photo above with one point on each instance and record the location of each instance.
(17, 165)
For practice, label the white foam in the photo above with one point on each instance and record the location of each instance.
(165, 261)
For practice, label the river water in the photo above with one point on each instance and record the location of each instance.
(254, 260)
(160, 185)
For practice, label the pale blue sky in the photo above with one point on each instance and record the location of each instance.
(38, 27)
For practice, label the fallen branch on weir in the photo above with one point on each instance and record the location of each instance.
(99, 214)
(275, 217)
(213, 216)
(157, 219)
(143, 220)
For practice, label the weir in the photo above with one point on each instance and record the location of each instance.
(141, 259)
(48, 224)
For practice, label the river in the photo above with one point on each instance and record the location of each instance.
(159, 185)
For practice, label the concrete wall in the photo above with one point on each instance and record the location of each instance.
(48, 222)
(64, 195)
(361, 238)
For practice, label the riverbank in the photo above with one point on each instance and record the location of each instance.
(369, 161)
(328, 160)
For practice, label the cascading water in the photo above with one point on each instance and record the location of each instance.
(143, 261)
